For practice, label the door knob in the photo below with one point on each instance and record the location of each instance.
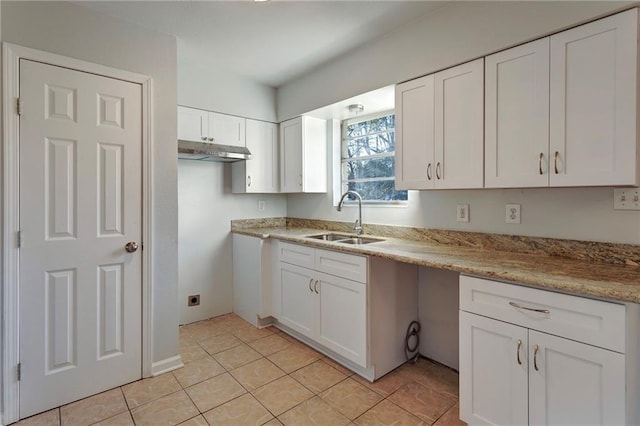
(131, 247)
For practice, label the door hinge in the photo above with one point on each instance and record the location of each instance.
(19, 106)
(19, 239)
(19, 371)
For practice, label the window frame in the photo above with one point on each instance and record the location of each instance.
(343, 159)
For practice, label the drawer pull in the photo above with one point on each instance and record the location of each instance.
(542, 311)
(518, 352)
(315, 287)
(535, 357)
(310, 281)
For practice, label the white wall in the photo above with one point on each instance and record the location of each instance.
(72, 30)
(212, 88)
(457, 32)
(205, 202)
(205, 245)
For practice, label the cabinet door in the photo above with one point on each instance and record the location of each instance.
(193, 124)
(291, 155)
(342, 326)
(593, 103)
(459, 120)
(298, 301)
(415, 134)
(574, 383)
(517, 116)
(227, 129)
(262, 168)
(493, 371)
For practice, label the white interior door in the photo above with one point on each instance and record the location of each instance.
(80, 204)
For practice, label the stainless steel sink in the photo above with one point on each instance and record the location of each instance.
(329, 236)
(360, 240)
(344, 239)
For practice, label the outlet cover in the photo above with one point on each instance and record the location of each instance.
(513, 213)
(261, 205)
(462, 213)
(626, 199)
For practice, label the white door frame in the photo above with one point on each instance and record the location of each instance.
(11, 55)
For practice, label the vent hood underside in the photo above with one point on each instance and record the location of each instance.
(188, 150)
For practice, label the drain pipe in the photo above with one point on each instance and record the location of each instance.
(411, 353)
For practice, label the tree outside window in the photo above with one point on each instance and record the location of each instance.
(368, 165)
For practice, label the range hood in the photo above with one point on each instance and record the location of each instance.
(189, 150)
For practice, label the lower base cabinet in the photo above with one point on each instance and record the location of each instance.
(352, 308)
(511, 374)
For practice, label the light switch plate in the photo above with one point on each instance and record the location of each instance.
(626, 199)
(462, 213)
(513, 213)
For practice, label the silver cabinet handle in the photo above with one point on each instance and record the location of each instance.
(211, 139)
(310, 281)
(429, 172)
(540, 163)
(315, 287)
(542, 311)
(131, 247)
(438, 170)
(300, 181)
(535, 357)
(518, 352)
(555, 161)
(248, 180)
(204, 138)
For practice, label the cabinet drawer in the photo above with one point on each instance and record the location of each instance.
(590, 321)
(344, 265)
(296, 254)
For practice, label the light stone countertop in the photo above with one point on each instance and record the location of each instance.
(617, 282)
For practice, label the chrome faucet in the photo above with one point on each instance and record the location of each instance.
(358, 225)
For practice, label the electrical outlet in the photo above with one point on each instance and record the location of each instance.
(261, 205)
(513, 213)
(462, 213)
(193, 300)
(626, 199)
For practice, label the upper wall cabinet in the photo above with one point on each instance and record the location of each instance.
(303, 155)
(459, 95)
(260, 173)
(439, 129)
(414, 155)
(593, 103)
(517, 116)
(205, 126)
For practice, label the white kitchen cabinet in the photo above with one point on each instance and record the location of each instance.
(212, 127)
(517, 116)
(439, 129)
(535, 368)
(339, 303)
(303, 155)
(493, 384)
(298, 302)
(414, 155)
(327, 308)
(459, 121)
(593, 103)
(252, 279)
(260, 173)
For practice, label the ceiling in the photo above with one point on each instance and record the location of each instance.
(269, 42)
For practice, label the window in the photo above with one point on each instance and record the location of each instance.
(367, 160)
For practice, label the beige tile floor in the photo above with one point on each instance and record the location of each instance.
(238, 375)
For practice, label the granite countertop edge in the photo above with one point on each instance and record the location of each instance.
(619, 283)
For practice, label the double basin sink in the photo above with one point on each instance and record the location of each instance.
(345, 238)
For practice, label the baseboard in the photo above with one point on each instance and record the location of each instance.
(166, 365)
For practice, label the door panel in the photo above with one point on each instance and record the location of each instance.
(291, 156)
(80, 203)
(298, 302)
(493, 373)
(574, 383)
